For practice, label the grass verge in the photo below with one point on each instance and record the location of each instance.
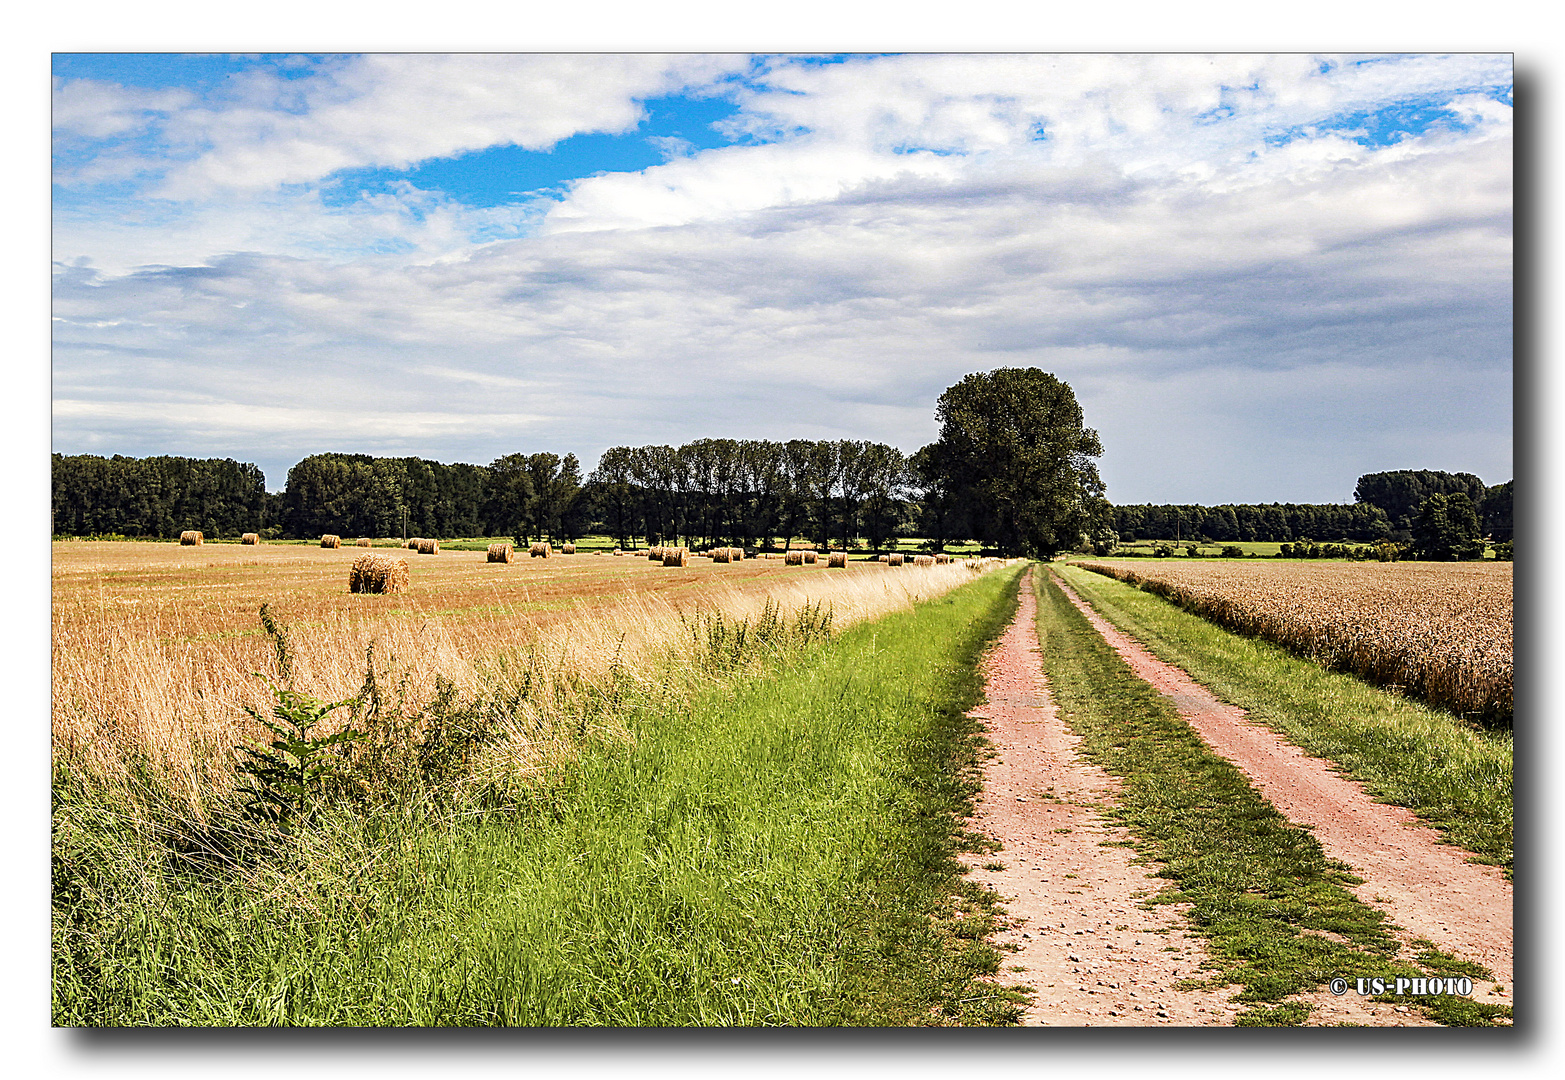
(1277, 915)
(777, 849)
(1452, 775)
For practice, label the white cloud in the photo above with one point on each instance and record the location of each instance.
(829, 285)
(397, 110)
(97, 110)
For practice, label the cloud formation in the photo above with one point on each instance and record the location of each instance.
(1263, 275)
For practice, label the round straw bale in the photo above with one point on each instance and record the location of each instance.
(941, 560)
(837, 558)
(191, 536)
(412, 545)
(795, 558)
(429, 547)
(499, 552)
(883, 558)
(362, 541)
(250, 538)
(540, 550)
(720, 555)
(655, 554)
(330, 541)
(894, 560)
(811, 556)
(567, 549)
(676, 556)
(618, 552)
(923, 560)
(378, 574)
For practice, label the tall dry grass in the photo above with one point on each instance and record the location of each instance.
(159, 675)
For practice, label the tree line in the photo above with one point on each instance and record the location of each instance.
(1239, 521)
(1387, 507)
(719, 491)
(521, 495)
(1013, 468)
(158, 496)
(748, 491)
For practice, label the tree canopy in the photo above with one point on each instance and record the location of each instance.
(1447, 529)
(1401, 492)
(1015, 460)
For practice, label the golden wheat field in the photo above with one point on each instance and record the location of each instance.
(1439, 631)
(155, 645)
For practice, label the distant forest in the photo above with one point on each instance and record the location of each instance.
(710, 490)
(1385, 508)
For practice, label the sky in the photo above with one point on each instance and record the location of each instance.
(1262, 274)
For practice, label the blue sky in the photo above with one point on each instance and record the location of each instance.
(1263, 275)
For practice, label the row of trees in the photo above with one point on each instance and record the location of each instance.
(1013, 468)
(522, 495)
(157, 496)
(747, 490)
(1387, 506)
(1234, 521)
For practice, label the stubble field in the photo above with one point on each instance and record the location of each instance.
(155, 645)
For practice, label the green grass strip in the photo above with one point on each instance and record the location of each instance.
(1455, 777)
(1262, 892)
(779, 850)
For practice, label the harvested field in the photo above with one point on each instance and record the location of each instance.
(1438, 631)
(154, 644)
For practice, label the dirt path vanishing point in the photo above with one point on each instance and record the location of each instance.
(1425, 886)
(1090, 952)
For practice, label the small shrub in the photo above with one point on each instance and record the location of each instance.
(290, 773)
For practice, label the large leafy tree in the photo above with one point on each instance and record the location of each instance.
(1014, 454)
(1447, 529)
